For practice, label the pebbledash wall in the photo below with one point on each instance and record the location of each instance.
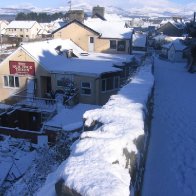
(81, 36)
(25, 64)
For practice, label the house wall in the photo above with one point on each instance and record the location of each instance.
(3, 25)
(96, 97)
(175, 55)
(20, 55)
(24, 32)
(76, 33)
(80, 36)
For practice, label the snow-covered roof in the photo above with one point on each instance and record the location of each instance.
(109, 29)
(178, 25)
(21, 24)
(178, 45)
(139, 40)
(92, 63)
(43, 32)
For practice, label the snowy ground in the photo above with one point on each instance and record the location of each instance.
(171, 161)
(98, 164)
(16, 156)
(70, 118)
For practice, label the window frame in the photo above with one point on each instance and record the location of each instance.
(7, 78)
(86, 88)
(118, 49)
(113, 47)
(91, 40)
(115, 83)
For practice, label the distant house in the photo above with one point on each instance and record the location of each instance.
(172, 29)
(3, 25)
(139, 42)
(174, 51)
(96, 35)
(41, 67)
(24, 29)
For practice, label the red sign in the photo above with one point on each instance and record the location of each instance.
(22, 68)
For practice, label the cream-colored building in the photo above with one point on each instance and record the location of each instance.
(27, 30)
(96, 35)
(3, 26)
(45, 66)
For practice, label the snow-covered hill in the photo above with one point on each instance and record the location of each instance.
(129, 11)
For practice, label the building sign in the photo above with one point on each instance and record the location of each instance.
(22, 68)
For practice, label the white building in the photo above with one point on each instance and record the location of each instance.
(24, 29)
(174, 51)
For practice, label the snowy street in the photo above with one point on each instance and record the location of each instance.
(171, 160)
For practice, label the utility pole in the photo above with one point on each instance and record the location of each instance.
(69, 4)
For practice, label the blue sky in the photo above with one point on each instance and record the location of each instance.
(58, 3)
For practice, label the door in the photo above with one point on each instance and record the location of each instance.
(46, 86)
(31, 87)
(91, 42)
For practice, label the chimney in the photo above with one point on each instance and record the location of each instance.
(99, 11)
(194, 19)
(69, 53)
(75, 15)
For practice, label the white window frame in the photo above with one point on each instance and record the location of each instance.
(114, 88)
(8, 81)
(86, 88)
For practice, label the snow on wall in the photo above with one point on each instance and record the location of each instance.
(97, 164)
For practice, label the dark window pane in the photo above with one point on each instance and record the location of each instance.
(86, 91)
(91, 39)
(121, 46)
(103, 85)
(86, 84)
(116, 82)
(5, 81)
(16, 82)
(11, 81)
(109, 84)
(113, 44)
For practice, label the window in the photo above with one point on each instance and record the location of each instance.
(112, 44)
(27, 36)
(86, 88)
(110, 83)
(91, 40)
(121, 46)
(11, 81)
(64, 80)
(20, 29)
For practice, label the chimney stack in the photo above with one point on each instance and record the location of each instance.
(75, 15)
(99, 11)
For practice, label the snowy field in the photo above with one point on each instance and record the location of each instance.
(171, 162)
(98, 164)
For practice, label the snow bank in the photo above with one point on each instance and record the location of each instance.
(98, 164)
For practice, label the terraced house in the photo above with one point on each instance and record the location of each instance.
(25, 29)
